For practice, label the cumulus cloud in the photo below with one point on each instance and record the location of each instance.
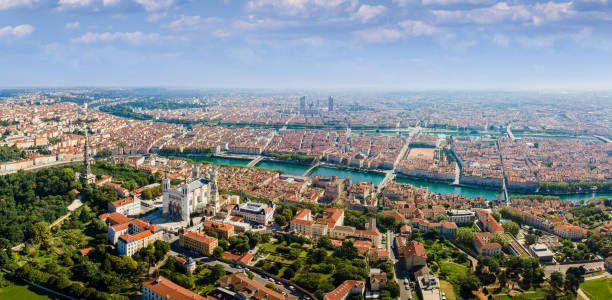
(74, 25)
(184, 22)
(297, 7)
(402, 3)
(417, 28)
(537, 13)
(74, 3)
(19, 31)
(128, 37)
(366, 13)
(8, 4)
(155, 5)
(407, 28)
(381, 34)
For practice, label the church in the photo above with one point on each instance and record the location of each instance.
(199, 195)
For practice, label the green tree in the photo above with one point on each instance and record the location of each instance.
(556, 279)
(511, 227)
(218, 252)
(39, 232)
(464, 235)
(531, 239)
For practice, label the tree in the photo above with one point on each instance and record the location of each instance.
(497, 238)
(122, 145)
(288, 273)
(39, 232)
(556, 279)
(531, 239)
(468, 283)
(465, 235)
(218, 251)
(325, 242)
(511, 227)
(496, 215)
(347, 250)
(280, 220)
(393, 288)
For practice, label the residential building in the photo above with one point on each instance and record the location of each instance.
(489, 223)
(128, 244)
(483, 246)
(198, 242)
(378, 279)
(161, 288)
(129, 206)
(571, 232)
(248, 288)
(346, 289)
(460, 216)
(414, 254)
(223, 230)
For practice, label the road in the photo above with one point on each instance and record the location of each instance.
(398, 270)
(210, 261)
(563, 268)
(53, 164)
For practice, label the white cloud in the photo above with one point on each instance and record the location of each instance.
(155, 5)
(402, 3)
(253, 23)
(365, 13)
(74, 25)
(381, 34)
(297, 7)
(184, 22)
(547, 41)
(503, 12)
(74, 3)
(7, 4)
(128, 37)
(17, 31)
(154, 17)
(417, 28)
(407, 28)
(110, 2)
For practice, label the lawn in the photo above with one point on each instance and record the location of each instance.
(530, 294)
(447, 288)
(26, 292)
(453, 269)
(599, 289)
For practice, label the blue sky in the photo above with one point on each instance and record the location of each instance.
(393, 44)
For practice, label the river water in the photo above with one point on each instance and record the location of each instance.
(375, 178)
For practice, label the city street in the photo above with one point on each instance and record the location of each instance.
(398, 269)
(210, 262)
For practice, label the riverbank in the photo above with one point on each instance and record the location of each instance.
(376, 176)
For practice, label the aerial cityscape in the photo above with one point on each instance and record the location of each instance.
(305, 149)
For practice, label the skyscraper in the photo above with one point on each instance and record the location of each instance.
(303, 104)
(330, 103)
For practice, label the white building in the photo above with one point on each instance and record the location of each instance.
(129, 206)
(200, 195)
(255, 212)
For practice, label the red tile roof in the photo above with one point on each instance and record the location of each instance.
(344, 289)
(169, 289)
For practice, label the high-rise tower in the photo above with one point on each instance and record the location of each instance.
(330, 103)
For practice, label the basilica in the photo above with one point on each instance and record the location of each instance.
(197, 196)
